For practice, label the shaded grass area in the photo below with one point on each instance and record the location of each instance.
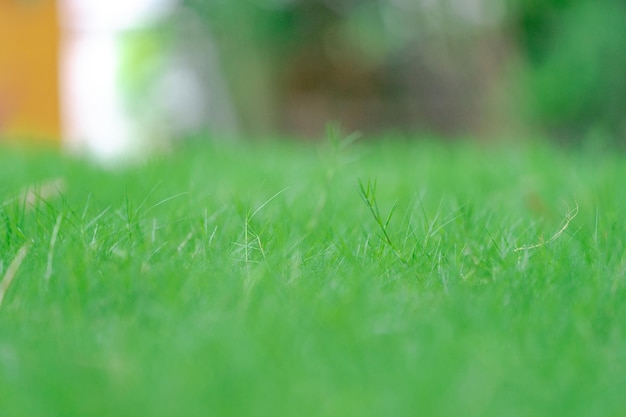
(275, 279)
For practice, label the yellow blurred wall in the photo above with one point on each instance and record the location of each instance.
(29, 69)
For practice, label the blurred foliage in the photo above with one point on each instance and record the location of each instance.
(422, 64)
(250, 35)
(576, 66)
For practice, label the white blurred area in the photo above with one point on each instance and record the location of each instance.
(187, 95)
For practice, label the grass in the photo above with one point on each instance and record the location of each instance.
(279, 280)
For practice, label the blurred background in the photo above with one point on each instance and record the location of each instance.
(110, 79)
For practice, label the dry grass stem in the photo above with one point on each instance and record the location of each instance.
(568, 218)
(44, 191)
(53, 241)
(12, 270)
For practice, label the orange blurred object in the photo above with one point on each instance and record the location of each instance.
(29, 69)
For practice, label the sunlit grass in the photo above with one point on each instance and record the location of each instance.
(344, 279)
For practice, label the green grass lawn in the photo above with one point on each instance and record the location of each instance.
(388, 279)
